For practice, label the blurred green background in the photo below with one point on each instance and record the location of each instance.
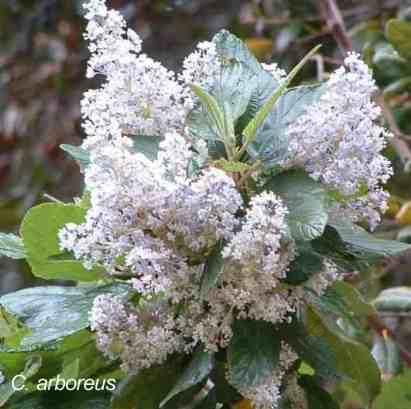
(42, 65)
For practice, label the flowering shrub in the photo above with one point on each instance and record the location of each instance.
(213, 237)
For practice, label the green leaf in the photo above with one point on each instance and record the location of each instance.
(362, 244)
(305, 265)
(63, 400)
(11, 246)
(244, 82)
(305, 200)
(317, 397)
(11, 329)
(224, 391)
(78, 153)
(51, 313)
(7, 390)
(331, 246)
(195, 372)
(212, 111)
(395, 393)
(148, 388)
(271, 144)
(251, 128)
(148, 145)
(71, 370)
(253, 352)
(352, 359)
(340, 301)
(313, 350)
(398, 33)
(39, 231)
(395, 300)
(229, 47)
(353, 299)
(212, 270)
(81, 344)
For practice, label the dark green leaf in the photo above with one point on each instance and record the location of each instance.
(305, 265)
(317, 397)
(148, 388)
(195, 372)
(11, 246)
(331, 246)
(353, 360)
(63, 400)
(340, 301)
(271, 144)
(305, 200)
(213, 268)
(252, 353)
(224, 391)
(311, 349)
(7, 390)
(362, 244)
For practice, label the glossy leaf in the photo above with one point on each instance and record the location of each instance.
(271, 144)
(51, 313)
(195, 372)
(253, 352)
(11, 246)
(305, 200)
(362, 244)
(306, 264)
(259, 118)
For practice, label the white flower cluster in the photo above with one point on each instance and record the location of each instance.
(140, 339)
(201, 67)
(2, 378)
(146, 215)
(338, 142)
(156, 222)
(257, 258)
(137, 91)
